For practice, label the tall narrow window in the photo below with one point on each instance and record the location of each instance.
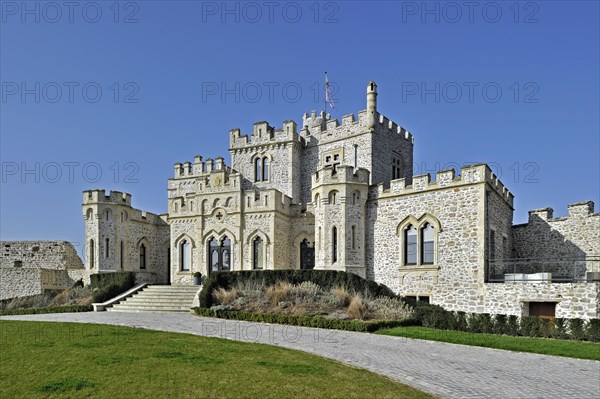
(265, 169)
(106, 247)
(184, 255)
(226, 254)
(121, 254)
(258, 253)
(492, 245)
(332, 197)
(353, 237)
(92, 254)
(142, 256)
(213, 255)
(410, 245)
(257, 170)
(107, 215)
(427, 244)
(334, 245)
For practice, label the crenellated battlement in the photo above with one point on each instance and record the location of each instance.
(99, 196)
(470, 174)
(269, 200)
(339, 175)
(576, 210)
(200, 168)
(264, 134)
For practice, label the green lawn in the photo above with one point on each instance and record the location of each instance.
(556, 347)
(69, 360)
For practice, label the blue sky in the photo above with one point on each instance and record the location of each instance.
(99, 96)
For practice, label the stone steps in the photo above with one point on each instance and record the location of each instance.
(158, 298)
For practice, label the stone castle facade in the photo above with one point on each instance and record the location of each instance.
(342, 196)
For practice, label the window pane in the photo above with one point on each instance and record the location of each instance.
(258, 253)
(265, 169)
(428, 247)
(410, 249)
(257, 170)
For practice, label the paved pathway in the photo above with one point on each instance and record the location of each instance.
(447, 370)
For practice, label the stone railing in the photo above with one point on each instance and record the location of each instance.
(550, 270)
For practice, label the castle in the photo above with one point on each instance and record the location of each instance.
(326, 195)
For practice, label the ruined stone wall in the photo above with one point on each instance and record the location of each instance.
(30, 267)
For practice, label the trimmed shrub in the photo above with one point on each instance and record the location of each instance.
(326, 279)
(500, 324)
(54, 309)
(434, 316)
(531, 326)
(306, 321)
(461, 321)
(513, 326)
(474, 323)
(486, 324)
(593, 330)
(109, 285)
(560, 330)
(577, 329)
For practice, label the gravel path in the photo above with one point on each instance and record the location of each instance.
(446, 370)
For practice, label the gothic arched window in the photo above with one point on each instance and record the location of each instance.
(257, 169)
(410, 245)
(265, 169)
(427, 244)
(184, 255)
(258, 253)
(142, 256)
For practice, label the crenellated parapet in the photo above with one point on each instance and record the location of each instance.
(264, 134)
(577, 210)
(326, 129)
(99, 196)
(339, 175)
(471, 174)
(200, 167)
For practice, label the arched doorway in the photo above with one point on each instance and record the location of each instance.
(307, 255)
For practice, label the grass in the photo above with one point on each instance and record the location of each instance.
(544, 346)
(70, 360)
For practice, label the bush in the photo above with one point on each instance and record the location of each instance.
(577, 329)
(531, 326)
(326, 279)
(385, 308)
(434, 316)
(593, 330)
(306, 321)
(282, 291)
(461, 321)
(357, 308)
(474, 323)
(54, 309)
(500, 324)
(560, 329)
(342, 296)
(108, 285)
(226, 297)
(513, 326)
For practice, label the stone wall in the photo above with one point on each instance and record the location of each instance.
(573, 300)
(31, 267)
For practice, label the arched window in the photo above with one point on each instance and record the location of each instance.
(334, 245)
(142, 256)
(106, 247)
(257, 170)
(90, 213)
(356, 198)
(184, 255)
(410, 245)
(258, 249)
(121, 254)
(265, 169)
(317, 200)
(219, 254)
(332, 197)
(427, 244)
(92, 254)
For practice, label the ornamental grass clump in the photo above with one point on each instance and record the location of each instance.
(226, 297)
(357, 308)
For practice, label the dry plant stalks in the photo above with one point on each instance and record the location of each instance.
(342, 295)
(226, 297)
(281, 291)
(357, 308)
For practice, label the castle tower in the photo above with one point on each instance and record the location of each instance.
(372, 115)
(106, 229)
(339, 197)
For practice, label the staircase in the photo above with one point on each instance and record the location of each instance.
(158, 298)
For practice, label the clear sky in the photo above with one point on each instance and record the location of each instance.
(98, 95)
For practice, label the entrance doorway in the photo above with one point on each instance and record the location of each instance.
(307, 255)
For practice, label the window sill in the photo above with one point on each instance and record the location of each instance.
(420, 268)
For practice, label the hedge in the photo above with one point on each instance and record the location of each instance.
(327, 279)
(53, 309)
(109, 285)
(434, 316)
(305, 321)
